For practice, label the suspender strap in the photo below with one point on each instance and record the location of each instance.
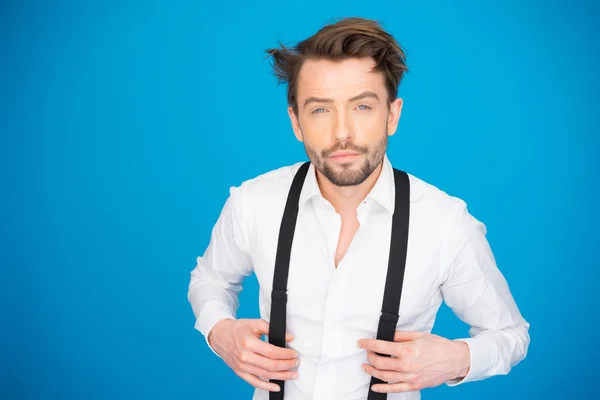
(277, 324)
(396, 267)
(394, 279)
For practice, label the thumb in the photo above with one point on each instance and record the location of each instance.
(405, 336)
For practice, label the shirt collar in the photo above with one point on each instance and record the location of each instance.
(383, 192)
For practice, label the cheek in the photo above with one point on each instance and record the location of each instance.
(369, 125)
(317, 132)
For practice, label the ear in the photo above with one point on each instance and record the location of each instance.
(394, 116)
(295, 123)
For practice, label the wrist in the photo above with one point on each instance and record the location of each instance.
(210, 338)
(464, 359)
(214, 331)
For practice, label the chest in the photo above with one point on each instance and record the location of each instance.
(352, 287)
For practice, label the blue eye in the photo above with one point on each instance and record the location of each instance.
(365, 107)
(316, 111)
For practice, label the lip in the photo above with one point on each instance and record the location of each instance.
(338, 155)
(344, 157)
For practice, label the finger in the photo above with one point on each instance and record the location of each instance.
(288, 337)
(261, 327)
(284, 375)
(257, 382)
(387, 375)
(268, 364)
(385, 363)
(380, 346)
(271, 351)
(405, 336)
(396, 387)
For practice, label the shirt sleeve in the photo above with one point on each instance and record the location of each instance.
(477, 292)
(216, 281)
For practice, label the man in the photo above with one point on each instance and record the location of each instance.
(343, 105)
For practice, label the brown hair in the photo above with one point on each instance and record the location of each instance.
(347, 38)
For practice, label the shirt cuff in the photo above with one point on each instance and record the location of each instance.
(212, 313)
(482, 355)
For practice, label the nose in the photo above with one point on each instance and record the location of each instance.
(343, 127)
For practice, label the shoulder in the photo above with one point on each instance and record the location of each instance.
(448, 214)
(275, 182)
(258, 202)
(432, 199)
(263, 194)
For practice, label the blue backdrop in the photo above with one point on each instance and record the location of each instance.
(122, 126)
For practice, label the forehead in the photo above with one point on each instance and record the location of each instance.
(341, 79)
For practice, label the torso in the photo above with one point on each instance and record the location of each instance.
(329, 308)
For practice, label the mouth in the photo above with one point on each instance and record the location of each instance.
(344, 156)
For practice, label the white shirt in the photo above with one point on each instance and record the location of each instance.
(329, 308)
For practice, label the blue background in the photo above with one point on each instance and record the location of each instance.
(122, 126)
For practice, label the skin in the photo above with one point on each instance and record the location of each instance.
(344, 120)
(418, 361)
(239, 344)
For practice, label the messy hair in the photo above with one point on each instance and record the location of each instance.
(348, 38)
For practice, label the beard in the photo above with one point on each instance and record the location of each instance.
(348, 174)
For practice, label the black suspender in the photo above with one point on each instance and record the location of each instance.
(282, 267)
(395, 272)
(394, 278)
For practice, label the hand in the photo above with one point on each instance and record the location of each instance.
(238, 343)
(418, 360)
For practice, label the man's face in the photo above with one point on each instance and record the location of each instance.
(344, 118)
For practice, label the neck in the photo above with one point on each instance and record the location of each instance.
(345, 199)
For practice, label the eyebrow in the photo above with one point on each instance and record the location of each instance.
(357, 97)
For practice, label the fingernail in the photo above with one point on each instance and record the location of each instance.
(276, 389)
(297, 362)
(295, 375)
